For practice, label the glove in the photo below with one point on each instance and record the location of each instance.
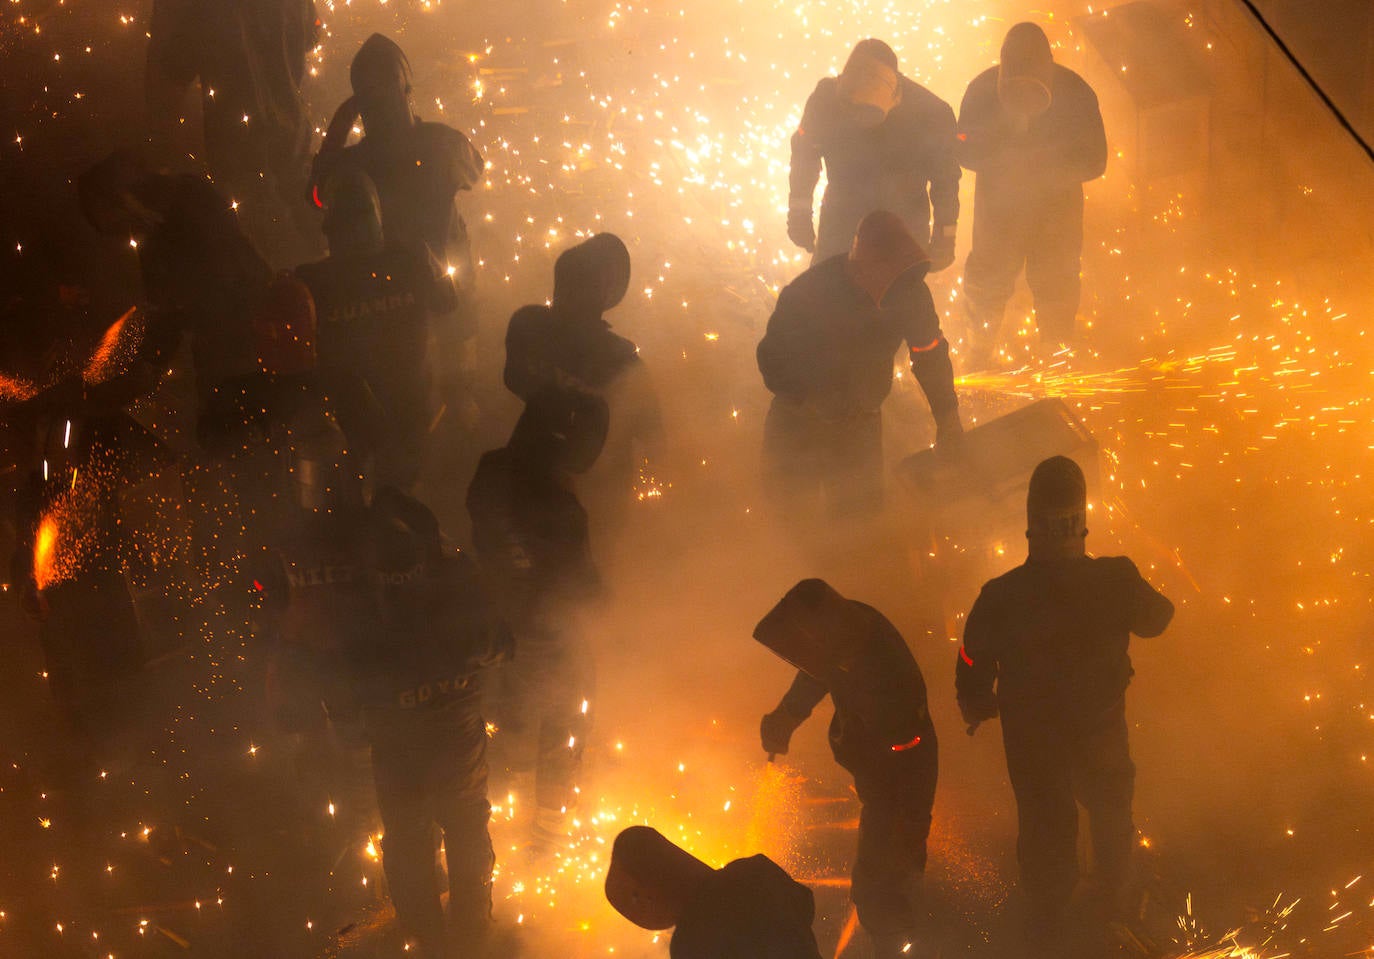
(776, 731)
(978, 709)
(941, 252)
(800, 229)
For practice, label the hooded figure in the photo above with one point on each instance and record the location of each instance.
(881, 733)
(418, 168)
(1032, 132)
(1045, 646)
(530, 534)
(749, 909)
(385, 624)
(886, 143)
(378, 303)
(827, 359)
(417, 675)
(569, 345)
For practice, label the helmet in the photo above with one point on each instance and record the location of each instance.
(378, 66)
(284, 327)
(1025, 72)
(883, 250)
(561, 429)
(325, 473)
(650, 880)
(592, 277)
(1057, 501)
(869, 81)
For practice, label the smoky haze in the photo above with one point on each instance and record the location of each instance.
(1226, 377)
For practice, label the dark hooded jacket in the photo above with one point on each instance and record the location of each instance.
(568, 343)
(751, 909)
(879, 703)
(830, 347)
(1053, 636)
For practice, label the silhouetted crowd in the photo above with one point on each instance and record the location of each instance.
(334, 403)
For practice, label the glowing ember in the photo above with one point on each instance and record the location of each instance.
(46, 567)
(116, 348)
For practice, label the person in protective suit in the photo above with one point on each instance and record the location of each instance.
(827, 359)
(417, 677)
(887, 143)
(569, 345)
(202, 277)
(375, 622)
(882, 733)
(530, 533)
(250, 59)
(1045, 647)
(376, 302)
(748, 909)
(1031, 131)
(419, 168)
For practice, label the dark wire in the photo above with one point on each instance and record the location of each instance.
(1316, 87)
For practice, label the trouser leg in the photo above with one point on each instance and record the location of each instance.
(1104, 781)
(854, 471)
(998, 252)
(1047, 817)
(839, 219)
(1053, 265)
(790, 464)
(563, 726)
(463, 813)
(409, 843)
(897, 794)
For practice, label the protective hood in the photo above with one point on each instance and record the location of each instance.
(1026, 72)
(869, 82)
(379, 64)
(650, 881)
(815, 629)
(1057, 501)
(883, 250)
(592, 277)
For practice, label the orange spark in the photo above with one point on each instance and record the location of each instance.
(847, 933)
(15, 390)
(113, 350)
(45, 567)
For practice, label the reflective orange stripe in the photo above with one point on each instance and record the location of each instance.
(963, 654)
(928, 347)
(916, 741)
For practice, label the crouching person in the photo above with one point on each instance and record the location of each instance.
(881, 733)
(750, 909)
